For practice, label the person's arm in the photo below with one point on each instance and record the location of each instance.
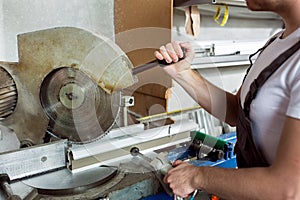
(280, 181)
(216, 101)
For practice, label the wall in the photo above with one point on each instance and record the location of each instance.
(243, 27)
(20, 16)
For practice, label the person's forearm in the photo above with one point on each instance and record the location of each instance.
(251, 183)
(216, 101)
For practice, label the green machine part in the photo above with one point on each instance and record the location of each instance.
(210, 140)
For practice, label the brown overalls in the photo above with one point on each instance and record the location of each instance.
(247, 153)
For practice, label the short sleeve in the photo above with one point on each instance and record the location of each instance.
(294, 85)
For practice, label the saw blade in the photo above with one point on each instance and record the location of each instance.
(78, 109)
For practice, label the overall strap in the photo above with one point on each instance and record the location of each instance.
(266, 73)
(248, 155)
(259, 50)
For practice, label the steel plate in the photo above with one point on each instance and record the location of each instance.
(64, 182)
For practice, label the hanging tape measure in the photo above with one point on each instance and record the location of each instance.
(225, 15)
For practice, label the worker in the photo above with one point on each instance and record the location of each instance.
(265, 110)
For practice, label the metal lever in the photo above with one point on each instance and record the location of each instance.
(135, 151)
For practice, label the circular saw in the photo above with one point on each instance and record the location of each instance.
(78, 109)
(68, 82)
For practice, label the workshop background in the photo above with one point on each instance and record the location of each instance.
(155, 121)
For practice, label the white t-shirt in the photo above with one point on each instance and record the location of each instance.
(279, 97)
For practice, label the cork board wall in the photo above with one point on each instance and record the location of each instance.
(141, 27)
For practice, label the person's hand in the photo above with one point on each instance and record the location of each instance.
(172, 52)
(182, 179)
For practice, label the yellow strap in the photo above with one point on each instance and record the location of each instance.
(225, 16)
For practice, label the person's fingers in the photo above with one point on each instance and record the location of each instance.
(163, 51)
(177, 48)
(166, 178)
(158, 55)
(185, 45)
(188, 50)
(177, 162)
(178, 190)
(171, 52)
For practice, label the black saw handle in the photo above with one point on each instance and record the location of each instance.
(150, 65)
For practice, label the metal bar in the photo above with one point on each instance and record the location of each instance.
(120, 154)
(129, 137)
(116, 148)
(33, 160)
(165, 115)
